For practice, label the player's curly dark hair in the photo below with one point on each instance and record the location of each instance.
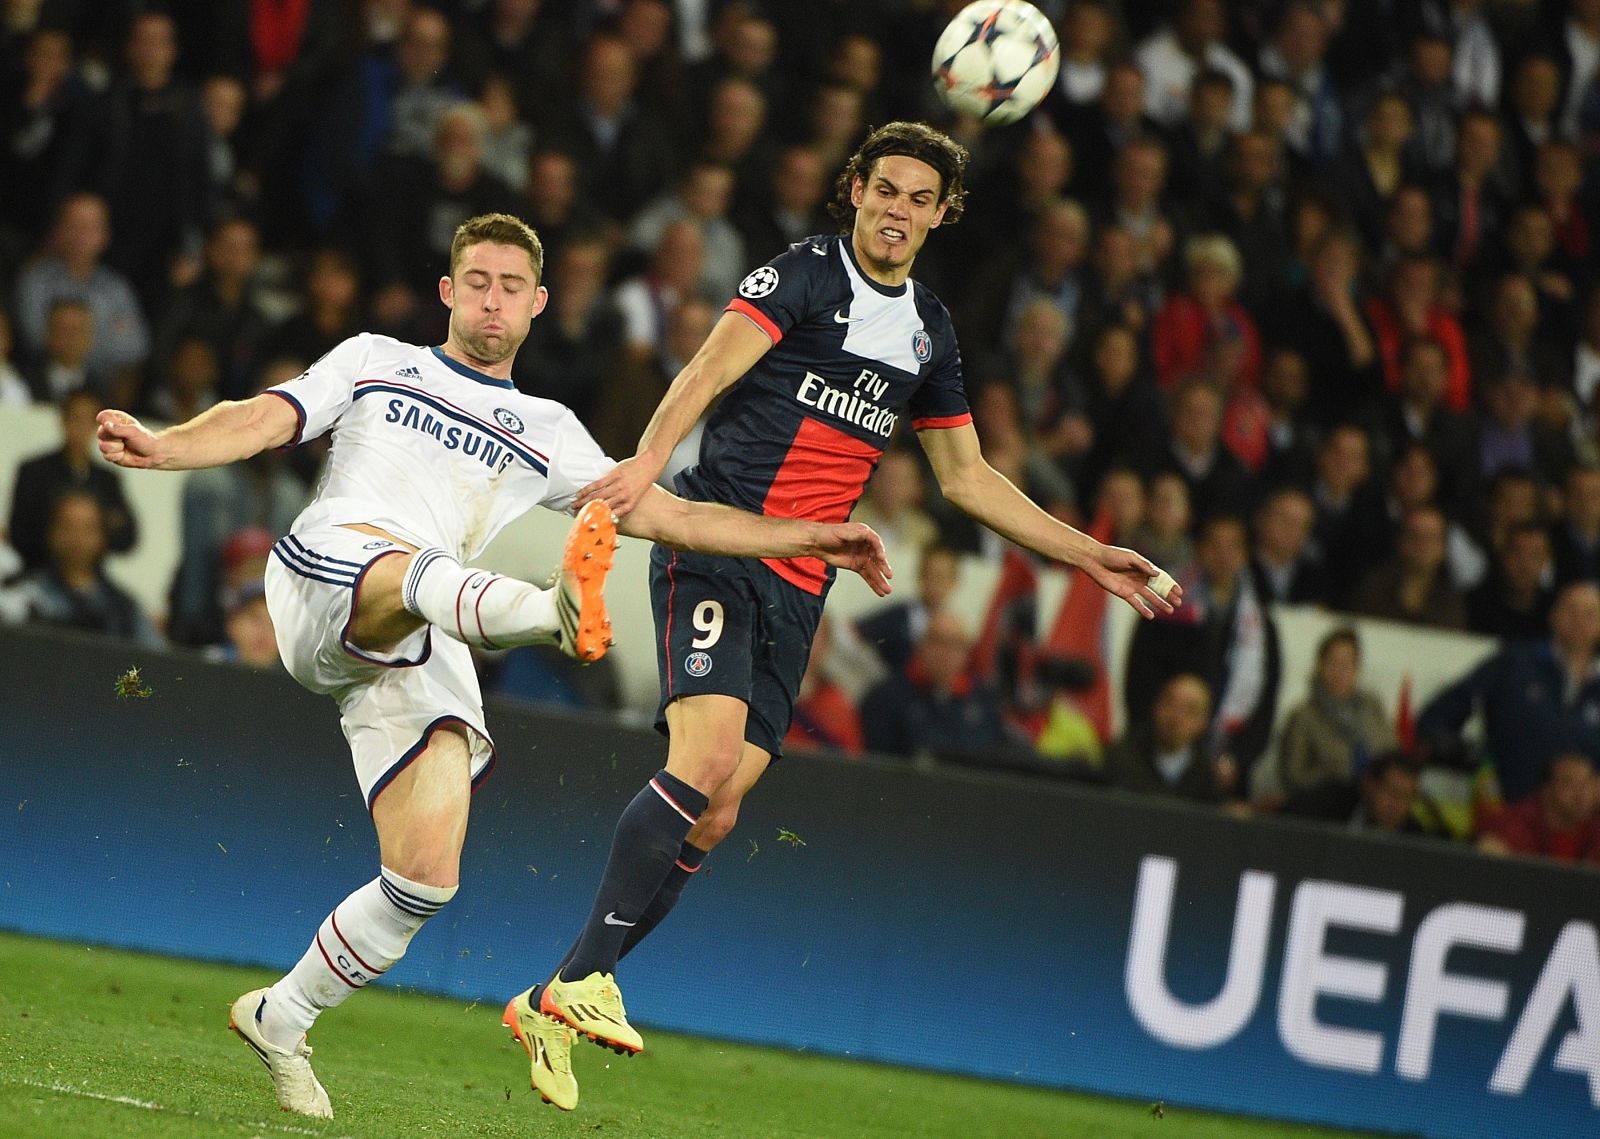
(912, 140)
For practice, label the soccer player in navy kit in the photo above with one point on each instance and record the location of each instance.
(822, 353)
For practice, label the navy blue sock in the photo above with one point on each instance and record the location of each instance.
(646, 845)
(689, 860)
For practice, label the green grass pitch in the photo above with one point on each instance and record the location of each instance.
(99, 1042)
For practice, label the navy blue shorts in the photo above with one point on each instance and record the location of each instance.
(732, 627)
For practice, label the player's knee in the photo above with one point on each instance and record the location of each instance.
(707, 766)
(715, 825)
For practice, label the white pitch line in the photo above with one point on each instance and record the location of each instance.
(148, 1105)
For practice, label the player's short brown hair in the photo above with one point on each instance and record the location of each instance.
(499, 229)
(911, 140)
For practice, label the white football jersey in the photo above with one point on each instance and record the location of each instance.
(432, 451)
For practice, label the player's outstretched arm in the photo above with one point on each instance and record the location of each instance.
(966, 479)
(224, 433)
(710, 528)
(733, 346)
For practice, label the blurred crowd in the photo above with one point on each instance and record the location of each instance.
(1297, 297)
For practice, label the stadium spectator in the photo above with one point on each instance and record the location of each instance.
(573, 354)
(1295, 53)
(702, 196)
(1471, 202)
(744, 46)
(217, 503)
(1281, 564)
(1561, 820)
(934, 707)
(1167, 751)
(1200, 141)
(1513, 601)
(894, 631)
(1579, 43)
(72, 268)
(1101, 132)
(554, 206)
(834, 121)
(1285, 385)
(1349, 506)
(792, 207)
(1537, 699)
(507, 139)
(43, 479)
(1385, 797)
(1119, 291)
(1510, 338)
(624, 148)
(1575, 536)
(824, 715)
(423, 88)
(1087, 37)
(1407, 227)
(64, 366)
(1339, 730)
(645, 26)
(1226, 635)
(224, 309)
(648, 299)
(1172, 59)
(70, 589)
(1323, 321)
(1138, 181)
(1168, 518)
(1558, 183)
(1510, 431)
(1411, 309)
(1418, 414)
(331, 311)
(415, 206)
(1374, 164)
(235, 188)
(532, 43)
(892, 505)
(1423, 80)
(1122, 406)
(1533, 112)
(189, 382)
(1414, 586)
(1218, 482)
(1053, 268)
(1414, 482)
(1252, 212)
(144, 150)
(248, 636)
(635, 388)
(1193, 325)
(39, 110)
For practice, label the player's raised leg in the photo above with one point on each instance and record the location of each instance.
(489, 610)
(421, 819)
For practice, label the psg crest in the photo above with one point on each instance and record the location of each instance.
(759, 283)
(697, 664)
(508, 420)
(922, 346)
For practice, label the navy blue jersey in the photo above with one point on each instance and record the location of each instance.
(801, 432)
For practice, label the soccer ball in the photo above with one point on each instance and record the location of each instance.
(996, 59)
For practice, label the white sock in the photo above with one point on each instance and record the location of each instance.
(476, 606)
(360, 940)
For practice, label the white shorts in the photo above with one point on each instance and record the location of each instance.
(391, 703)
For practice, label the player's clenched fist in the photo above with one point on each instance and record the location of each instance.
(124, 440)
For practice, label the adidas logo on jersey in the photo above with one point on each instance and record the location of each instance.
(409, 373)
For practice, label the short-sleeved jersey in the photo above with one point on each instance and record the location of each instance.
(799, 435)
(431, 450)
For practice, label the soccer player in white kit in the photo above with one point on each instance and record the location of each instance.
(434, 451)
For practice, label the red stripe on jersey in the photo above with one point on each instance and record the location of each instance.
(761, 319)
(822, 475)
(940, 422)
